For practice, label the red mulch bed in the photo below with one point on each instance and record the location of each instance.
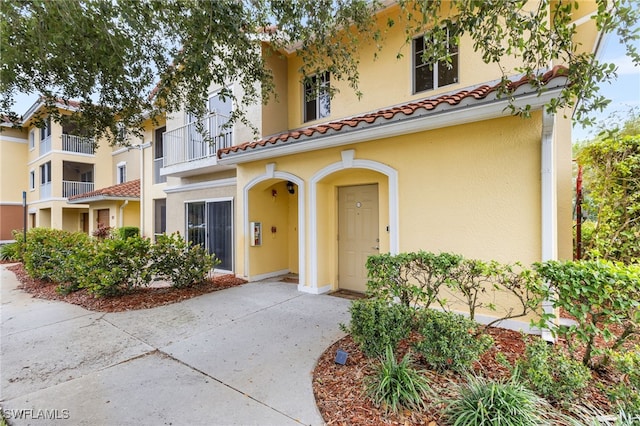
(339, 389)
(142, 298)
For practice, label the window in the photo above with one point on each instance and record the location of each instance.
(121, 173)
(45, 132)
(429, 74)
(32, 180)
(122, 131)
(317, 103)
(32, 139)
(45, 173)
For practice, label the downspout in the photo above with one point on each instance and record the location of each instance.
(549, 236)
(121, 224)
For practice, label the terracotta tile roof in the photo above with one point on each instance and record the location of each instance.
(426, 105)
(129, 189)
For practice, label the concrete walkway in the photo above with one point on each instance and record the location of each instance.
(241, 356)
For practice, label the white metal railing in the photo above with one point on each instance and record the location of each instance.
(72, 187)
(45, 190)
(45, 145)
(187, 143)
(157, 165)
(73, 143)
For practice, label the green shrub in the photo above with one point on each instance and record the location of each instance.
(397, 385)
(128, 231)
(49, 254)
(412, 278)
(10, 251)
(177, 261)
(377, 324)
(626, 394)
(484, 402)
(550, 373)
(115, 266)
(598, 295)
(450, 341)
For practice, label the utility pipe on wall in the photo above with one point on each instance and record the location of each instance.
(121, 221)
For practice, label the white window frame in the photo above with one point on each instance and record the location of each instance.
(32, 180)
(414, 66)
(323, 82)
(121, 172)
(45, 132)
(32, 139)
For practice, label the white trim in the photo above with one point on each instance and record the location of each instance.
(349, 162)
(444, 116)
(548, 202)
(270, 173)
(268, 275)
(14, 139)
(119, 151)
(48, 200)
(7, 241)
(93, 199)
(209, 200)
(58, 151)
(11, 203)
(201, 185)
(314, 290)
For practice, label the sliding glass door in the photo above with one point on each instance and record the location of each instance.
(210, 224)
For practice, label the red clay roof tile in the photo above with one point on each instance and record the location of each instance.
(129, 189)
(443, 101)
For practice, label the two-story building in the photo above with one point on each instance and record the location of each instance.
(429, 158)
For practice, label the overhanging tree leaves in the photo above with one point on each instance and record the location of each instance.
(130, 60)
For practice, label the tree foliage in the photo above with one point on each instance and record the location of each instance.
(129, 60)
(612, 178)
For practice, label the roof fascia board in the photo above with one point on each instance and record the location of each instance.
(468, 114)
(101, 198)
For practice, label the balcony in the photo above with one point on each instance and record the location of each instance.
(71, 188)
(77, 144)
(187, 151)
(45, 191)
(45, 145)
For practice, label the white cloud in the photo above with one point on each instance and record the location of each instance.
(625, 65)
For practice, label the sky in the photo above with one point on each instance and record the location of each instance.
(624, 92)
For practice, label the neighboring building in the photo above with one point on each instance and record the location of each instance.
(69, 183)
(428, 159)
(13, 180)
(135, 196)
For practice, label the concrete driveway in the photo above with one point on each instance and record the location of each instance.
(241, 356)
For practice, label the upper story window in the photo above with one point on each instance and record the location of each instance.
(317, 102)
(429, 74)
(32, 180)
(45, 173)
(45, 132)
(32, 139)
(121, 173)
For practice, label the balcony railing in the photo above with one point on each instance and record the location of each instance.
(45, 191)
(187, 143)
(71, 188)
(73, 143)
(45, 145)
(157, 165)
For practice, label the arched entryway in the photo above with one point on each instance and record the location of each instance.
(353, 214)
(273, 228)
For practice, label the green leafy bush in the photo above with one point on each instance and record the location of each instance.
(416, 280)
(182, 263)
(450, 341)
(49, 254)
(598, 295)
(412, 278)
(550, 373)
(485, 402)
(115, 266)
(128, 231)
(378, 324)
(397, 385)
(626, 394)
